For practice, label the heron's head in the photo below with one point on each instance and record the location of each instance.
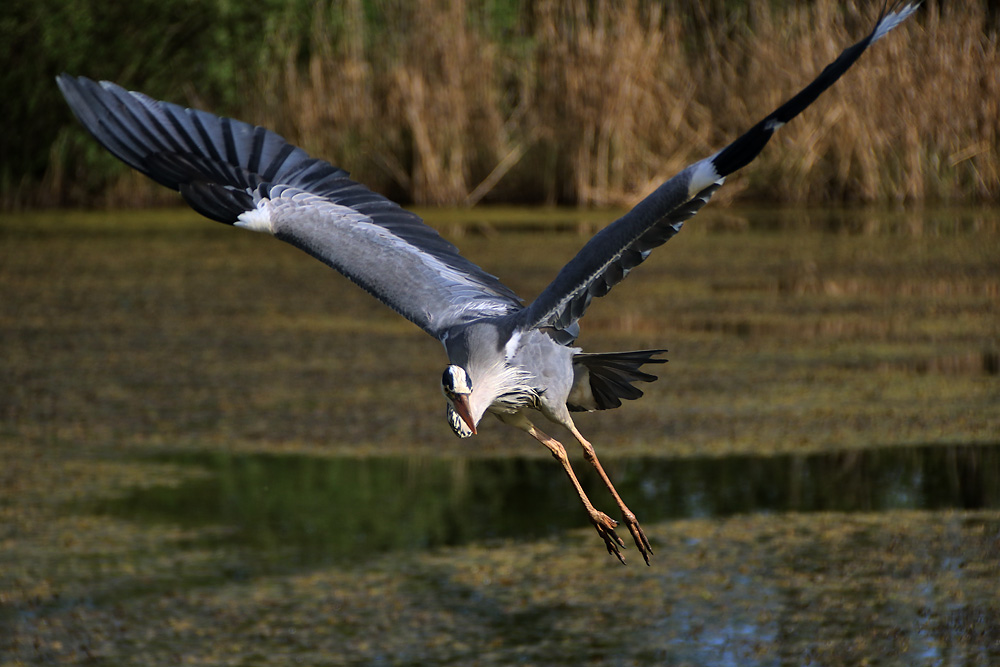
(457, 387)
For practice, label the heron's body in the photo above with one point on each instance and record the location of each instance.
(503, 357)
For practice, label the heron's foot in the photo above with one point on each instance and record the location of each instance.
(640, 537)
(605, 526)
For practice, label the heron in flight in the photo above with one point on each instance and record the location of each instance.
(504, 358)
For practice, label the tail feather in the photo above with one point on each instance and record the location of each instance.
(602, 380)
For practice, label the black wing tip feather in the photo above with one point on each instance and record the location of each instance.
(743, 150)
(177, 146)
(89, 103)
(607, 258)
(211, 160)
(72, 86)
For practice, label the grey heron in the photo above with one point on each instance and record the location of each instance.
(504, 357)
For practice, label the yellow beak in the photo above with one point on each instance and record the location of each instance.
(464, 411)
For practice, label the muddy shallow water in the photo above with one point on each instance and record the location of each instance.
(215, 451)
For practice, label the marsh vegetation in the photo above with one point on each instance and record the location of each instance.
(448, 102)
(217, 451)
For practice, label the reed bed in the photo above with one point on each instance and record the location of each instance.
(445, 102)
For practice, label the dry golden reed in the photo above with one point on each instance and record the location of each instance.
(596, 103)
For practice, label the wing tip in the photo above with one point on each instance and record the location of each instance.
(745, 148)
(892, 18)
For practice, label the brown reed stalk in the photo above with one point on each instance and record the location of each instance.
(596, 103)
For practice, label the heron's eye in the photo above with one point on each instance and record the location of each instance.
(455, 380)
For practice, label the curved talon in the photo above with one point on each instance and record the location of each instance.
(605, 526)
(613, 550)
(640, 539)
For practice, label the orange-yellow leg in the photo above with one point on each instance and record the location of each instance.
(604, 524)
(627, 516)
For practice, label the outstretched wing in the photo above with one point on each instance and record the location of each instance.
(250, 177)
(621, 246)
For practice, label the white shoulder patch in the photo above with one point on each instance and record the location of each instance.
(259, 219)
(703, 175)
(510, 349)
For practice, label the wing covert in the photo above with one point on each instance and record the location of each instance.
(621, 246)
(245, 175)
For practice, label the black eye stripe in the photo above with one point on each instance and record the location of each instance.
(455, 377)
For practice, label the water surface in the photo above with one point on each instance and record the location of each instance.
(214, 450)
(307, 511)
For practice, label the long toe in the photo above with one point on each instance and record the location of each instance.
(605, 526)
(640, 537)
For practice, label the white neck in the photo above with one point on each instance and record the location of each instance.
(501, 386)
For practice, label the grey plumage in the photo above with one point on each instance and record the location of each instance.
(224, 168)
(614, 251)
(504, 357)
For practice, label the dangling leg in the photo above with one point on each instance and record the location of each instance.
(604, 524)
(627, 516)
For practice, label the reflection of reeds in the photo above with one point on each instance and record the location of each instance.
(449, 102)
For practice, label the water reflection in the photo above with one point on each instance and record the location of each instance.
(302, 510)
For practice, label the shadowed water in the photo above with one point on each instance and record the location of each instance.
(299, 510)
